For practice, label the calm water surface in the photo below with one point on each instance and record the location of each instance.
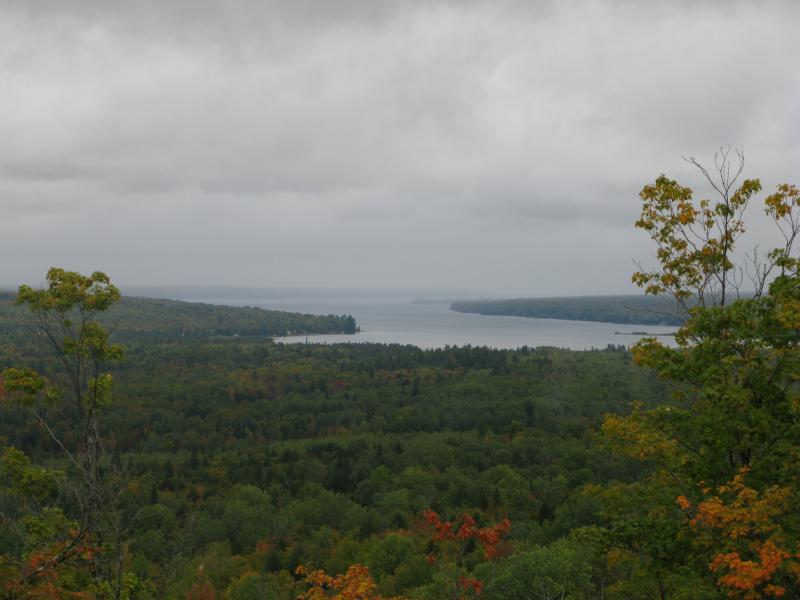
(396, 319)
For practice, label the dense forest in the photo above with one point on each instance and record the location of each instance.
(640, 310)
(244, 459)
(147, 318)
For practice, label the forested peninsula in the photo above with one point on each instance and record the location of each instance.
(626, 309)
(136, 318)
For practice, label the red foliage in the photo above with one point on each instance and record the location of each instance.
(201, 591)
(488, 537)
(452, 539)
(471, 583)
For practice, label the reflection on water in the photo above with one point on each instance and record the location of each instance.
(396, 319)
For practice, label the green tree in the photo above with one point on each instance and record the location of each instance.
(555, 572)
(66, 400)
(721, 455)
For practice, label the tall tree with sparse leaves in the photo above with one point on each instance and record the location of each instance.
(67, 400)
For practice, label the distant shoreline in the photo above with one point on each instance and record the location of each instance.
(627, 310)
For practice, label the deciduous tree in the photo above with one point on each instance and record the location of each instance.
(725, 451)
(67, 400)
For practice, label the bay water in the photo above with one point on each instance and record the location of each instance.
(401, 318)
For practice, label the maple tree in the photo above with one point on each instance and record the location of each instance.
(719, 456)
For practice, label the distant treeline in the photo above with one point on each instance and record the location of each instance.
(137, 318)
(639, 310)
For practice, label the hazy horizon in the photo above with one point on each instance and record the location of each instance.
(243, 292)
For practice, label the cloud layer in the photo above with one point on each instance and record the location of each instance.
(477, 145)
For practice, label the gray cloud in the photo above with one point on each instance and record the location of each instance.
(387, 144)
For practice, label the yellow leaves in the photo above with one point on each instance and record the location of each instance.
(632, 436)
(617, 556)
(788, 314)
(641, 351)
(742, 196)
(780, 204)
(695, 240)
(685, 213)
(101, 388)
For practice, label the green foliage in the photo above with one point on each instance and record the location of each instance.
(712, 504)
(140, 320)
(68, 291)
(247, 456)
(637, 310)
(24, 479)
(54, 534)
(250, 586)
(23, 385)
(559, 570)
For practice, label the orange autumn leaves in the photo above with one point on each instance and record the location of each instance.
(355, 584)
(752, 558)
(37, 579)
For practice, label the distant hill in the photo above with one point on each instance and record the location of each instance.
(633, 309)
(136, 318)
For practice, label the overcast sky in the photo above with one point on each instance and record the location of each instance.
(494, 145)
